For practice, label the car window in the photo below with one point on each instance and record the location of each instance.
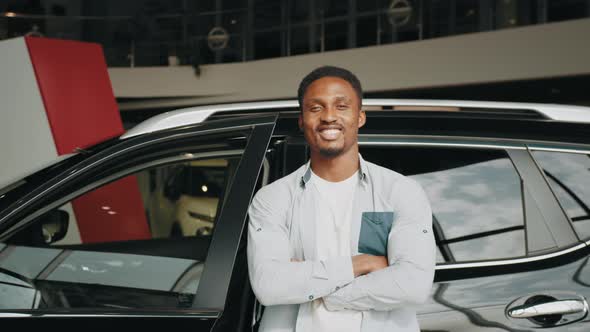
(568, 175)
(138, 241)
(475, 195)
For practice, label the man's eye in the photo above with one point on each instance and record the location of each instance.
(315, 108)
(342, 107)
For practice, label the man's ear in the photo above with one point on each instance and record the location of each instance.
(362, 118)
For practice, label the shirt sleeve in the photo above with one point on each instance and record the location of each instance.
(275, 279)
(411, 253)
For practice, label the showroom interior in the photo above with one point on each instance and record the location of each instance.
(134, 135)
(218, 51)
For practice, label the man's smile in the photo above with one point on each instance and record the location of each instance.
(330, 133)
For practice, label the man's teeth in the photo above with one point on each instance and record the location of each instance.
(330, 133)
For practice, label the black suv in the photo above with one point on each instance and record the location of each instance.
(101, 235)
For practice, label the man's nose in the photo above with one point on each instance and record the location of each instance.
(329, 114)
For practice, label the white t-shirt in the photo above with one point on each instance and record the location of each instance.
(333, 239)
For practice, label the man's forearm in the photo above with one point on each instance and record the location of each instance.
(363, 264)
(385, 289)
(275, 279)
(287, 282)
(407, 281)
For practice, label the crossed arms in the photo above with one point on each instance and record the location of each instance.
(361, 282)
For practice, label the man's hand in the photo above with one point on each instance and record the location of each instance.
(364, 263)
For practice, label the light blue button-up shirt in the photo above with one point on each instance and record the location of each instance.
(391, 217)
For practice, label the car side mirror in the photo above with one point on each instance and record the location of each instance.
(54, 226)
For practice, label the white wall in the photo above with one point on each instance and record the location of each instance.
(26, 141)
(539, 51)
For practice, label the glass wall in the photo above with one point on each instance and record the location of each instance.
(195, 32)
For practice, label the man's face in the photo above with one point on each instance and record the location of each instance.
(331, 116)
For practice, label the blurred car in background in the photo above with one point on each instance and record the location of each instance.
(195, 190)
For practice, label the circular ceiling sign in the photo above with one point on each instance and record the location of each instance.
(217, 39)
(399, 12)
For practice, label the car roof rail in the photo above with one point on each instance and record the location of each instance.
(198, 114)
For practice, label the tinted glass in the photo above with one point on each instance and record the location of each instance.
(298, 11)
(466, 16)
(336, 35)
(475, 197)
(438, 18)
(366, 31)
(234, 4)
(267, 13)
(566, 10)
(332, 8)
(368, 5)
(299, 40)
(267, 44)
(568, 175)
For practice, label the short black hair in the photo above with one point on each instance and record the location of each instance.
(329, 71)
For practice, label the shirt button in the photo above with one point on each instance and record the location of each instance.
(259, 229)
(310, 297)
(424, 231)
(337, 287)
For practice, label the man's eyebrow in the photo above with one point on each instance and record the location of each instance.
(343, 98)
(313, 101)
(337, 99)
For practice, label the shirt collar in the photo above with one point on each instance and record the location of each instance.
(362, 174)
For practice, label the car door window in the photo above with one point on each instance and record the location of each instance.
(138, 241)
(568, 175)
(475, 195)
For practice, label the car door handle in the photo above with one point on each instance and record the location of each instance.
(559, 307)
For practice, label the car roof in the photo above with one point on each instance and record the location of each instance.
(194, 115)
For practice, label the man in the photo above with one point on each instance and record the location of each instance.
(340, 244)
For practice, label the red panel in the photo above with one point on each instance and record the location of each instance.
(76, 90)
(114, 212)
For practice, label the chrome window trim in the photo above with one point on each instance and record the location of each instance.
(368, 140)
(513, 260)
(87, 188)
